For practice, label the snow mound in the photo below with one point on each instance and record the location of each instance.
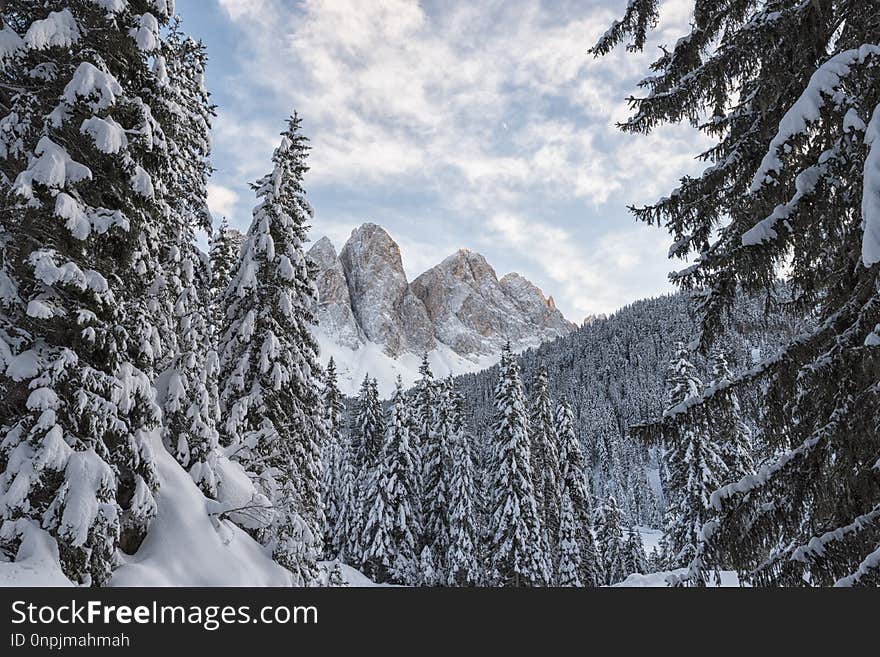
(186, 546)
(36, 563)
(729, 579)
(356, 578)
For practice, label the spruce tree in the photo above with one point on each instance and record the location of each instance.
(427, 568)
(693, 466)
(636, 561)
(424, 408)
(346, 536)
(332, 455)
(515, 535)
(610, 542)
(86, 164)
(462, 567)
(225, 250)
(545, 462)
(726, 424)
(367, 438)
(190, 401)
(568, 568)
(270, 392)
(574, 486)
(788, 93)
(437, 477)
(388, 541)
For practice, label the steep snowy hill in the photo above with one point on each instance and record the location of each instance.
(371, 319)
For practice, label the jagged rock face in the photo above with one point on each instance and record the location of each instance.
(334, 311)
(475, 313)
(381, 299)
(537, 310)
(364, 296)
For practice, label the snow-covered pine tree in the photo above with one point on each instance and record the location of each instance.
(515, 543)
(462, 568)
(332, 455)
(225, 250)
(427, 568)
(789, 93)
(368, 428)
(346, 539)
(610, 542)
(636, 561)
(423, 418)
(84, 153)
(574, 485)
(367, 438)
(190, 401)
(726, 425)
(189, 395)
(388, 541)
(545, 462)
(568, 567)
(437, 476)
(693, 466)
(270, 394)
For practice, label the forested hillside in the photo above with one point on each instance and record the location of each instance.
(612, 372)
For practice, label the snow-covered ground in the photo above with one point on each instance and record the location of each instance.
(370, 358)
(186, 545)
(728, 579)
(36, 563)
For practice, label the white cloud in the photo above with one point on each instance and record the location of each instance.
(222, 201)
(390, 92)
(491, 107)
(586, 278)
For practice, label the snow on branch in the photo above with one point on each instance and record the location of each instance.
(807, 108)
(871, 193)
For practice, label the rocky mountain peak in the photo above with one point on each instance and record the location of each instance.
(459, 304)
(381, 300)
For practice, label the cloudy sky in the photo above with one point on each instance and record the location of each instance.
(453, 124)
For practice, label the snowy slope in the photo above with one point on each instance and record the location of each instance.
(728, 579)
(186, 545)
(370, 358)
(36, 563)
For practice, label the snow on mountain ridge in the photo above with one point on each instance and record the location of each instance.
(372, 320)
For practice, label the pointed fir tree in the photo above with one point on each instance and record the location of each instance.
(424, 408)
(225, 251)
(610, 542)
(346, 537)
(574, 485)
(636, 561)
(367, 438)
(787, 92)
(726, 424)
(87, 164)
(568, 567)
(332, 459)
(270, 392)
(694, 466)
(388, 542)
(437, 477)
(545, 462)
(462, 567)
(515, 539)
(427, 568)
(190, 403)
